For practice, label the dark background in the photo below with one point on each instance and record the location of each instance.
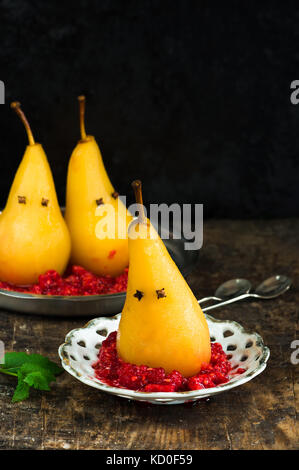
(190, 96)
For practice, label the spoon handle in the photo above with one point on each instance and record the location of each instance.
(226, 302)
(206, 299)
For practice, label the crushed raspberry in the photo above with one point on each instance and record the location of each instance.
(77, 281)
(195, 383)
(156, 375)
(112, 370)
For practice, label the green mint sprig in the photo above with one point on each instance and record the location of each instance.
(32, 370)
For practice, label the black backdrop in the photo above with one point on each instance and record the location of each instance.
(191, 96)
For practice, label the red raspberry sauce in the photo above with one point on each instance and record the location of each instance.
(115, 372)
(77, 281)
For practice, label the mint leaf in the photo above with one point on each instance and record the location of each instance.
(37, 380)
(21, 392)
(44, 362)
(28, 369)
(32, 370)
(14, 360)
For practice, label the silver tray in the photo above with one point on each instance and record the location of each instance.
(87, 306)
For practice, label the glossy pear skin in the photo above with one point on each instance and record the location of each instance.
(87, 182)
(170, 332)
(33, 237)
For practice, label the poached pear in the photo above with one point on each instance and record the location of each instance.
(90, 200)
(162, 324)
(33, 234)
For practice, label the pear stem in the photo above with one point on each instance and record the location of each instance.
(16, 106)
(82, 101)
(137, 186)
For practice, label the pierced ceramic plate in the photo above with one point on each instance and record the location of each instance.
(246, 349)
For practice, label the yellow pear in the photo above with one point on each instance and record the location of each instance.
(33, 234)
(162, 324)
(96, 217)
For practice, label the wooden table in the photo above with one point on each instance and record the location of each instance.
(259, 415)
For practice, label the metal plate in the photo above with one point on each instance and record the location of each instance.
(87, 306)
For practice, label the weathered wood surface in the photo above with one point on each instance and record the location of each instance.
(258, 415)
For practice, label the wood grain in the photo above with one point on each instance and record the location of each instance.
(258, 415)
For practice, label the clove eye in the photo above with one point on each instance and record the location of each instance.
(99, 202)
(115, 195)
(22, 199)
(161, 293)
(138, 294)
(45, 202)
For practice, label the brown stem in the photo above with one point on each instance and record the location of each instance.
(137, 186)
(82, 101)
(17, 107)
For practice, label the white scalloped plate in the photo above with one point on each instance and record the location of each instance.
(82, 345)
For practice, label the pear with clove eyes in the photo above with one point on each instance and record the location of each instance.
(162, 324)
(33, 234)
(96, 217)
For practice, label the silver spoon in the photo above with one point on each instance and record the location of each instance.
(229, 289)
(268, 289)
